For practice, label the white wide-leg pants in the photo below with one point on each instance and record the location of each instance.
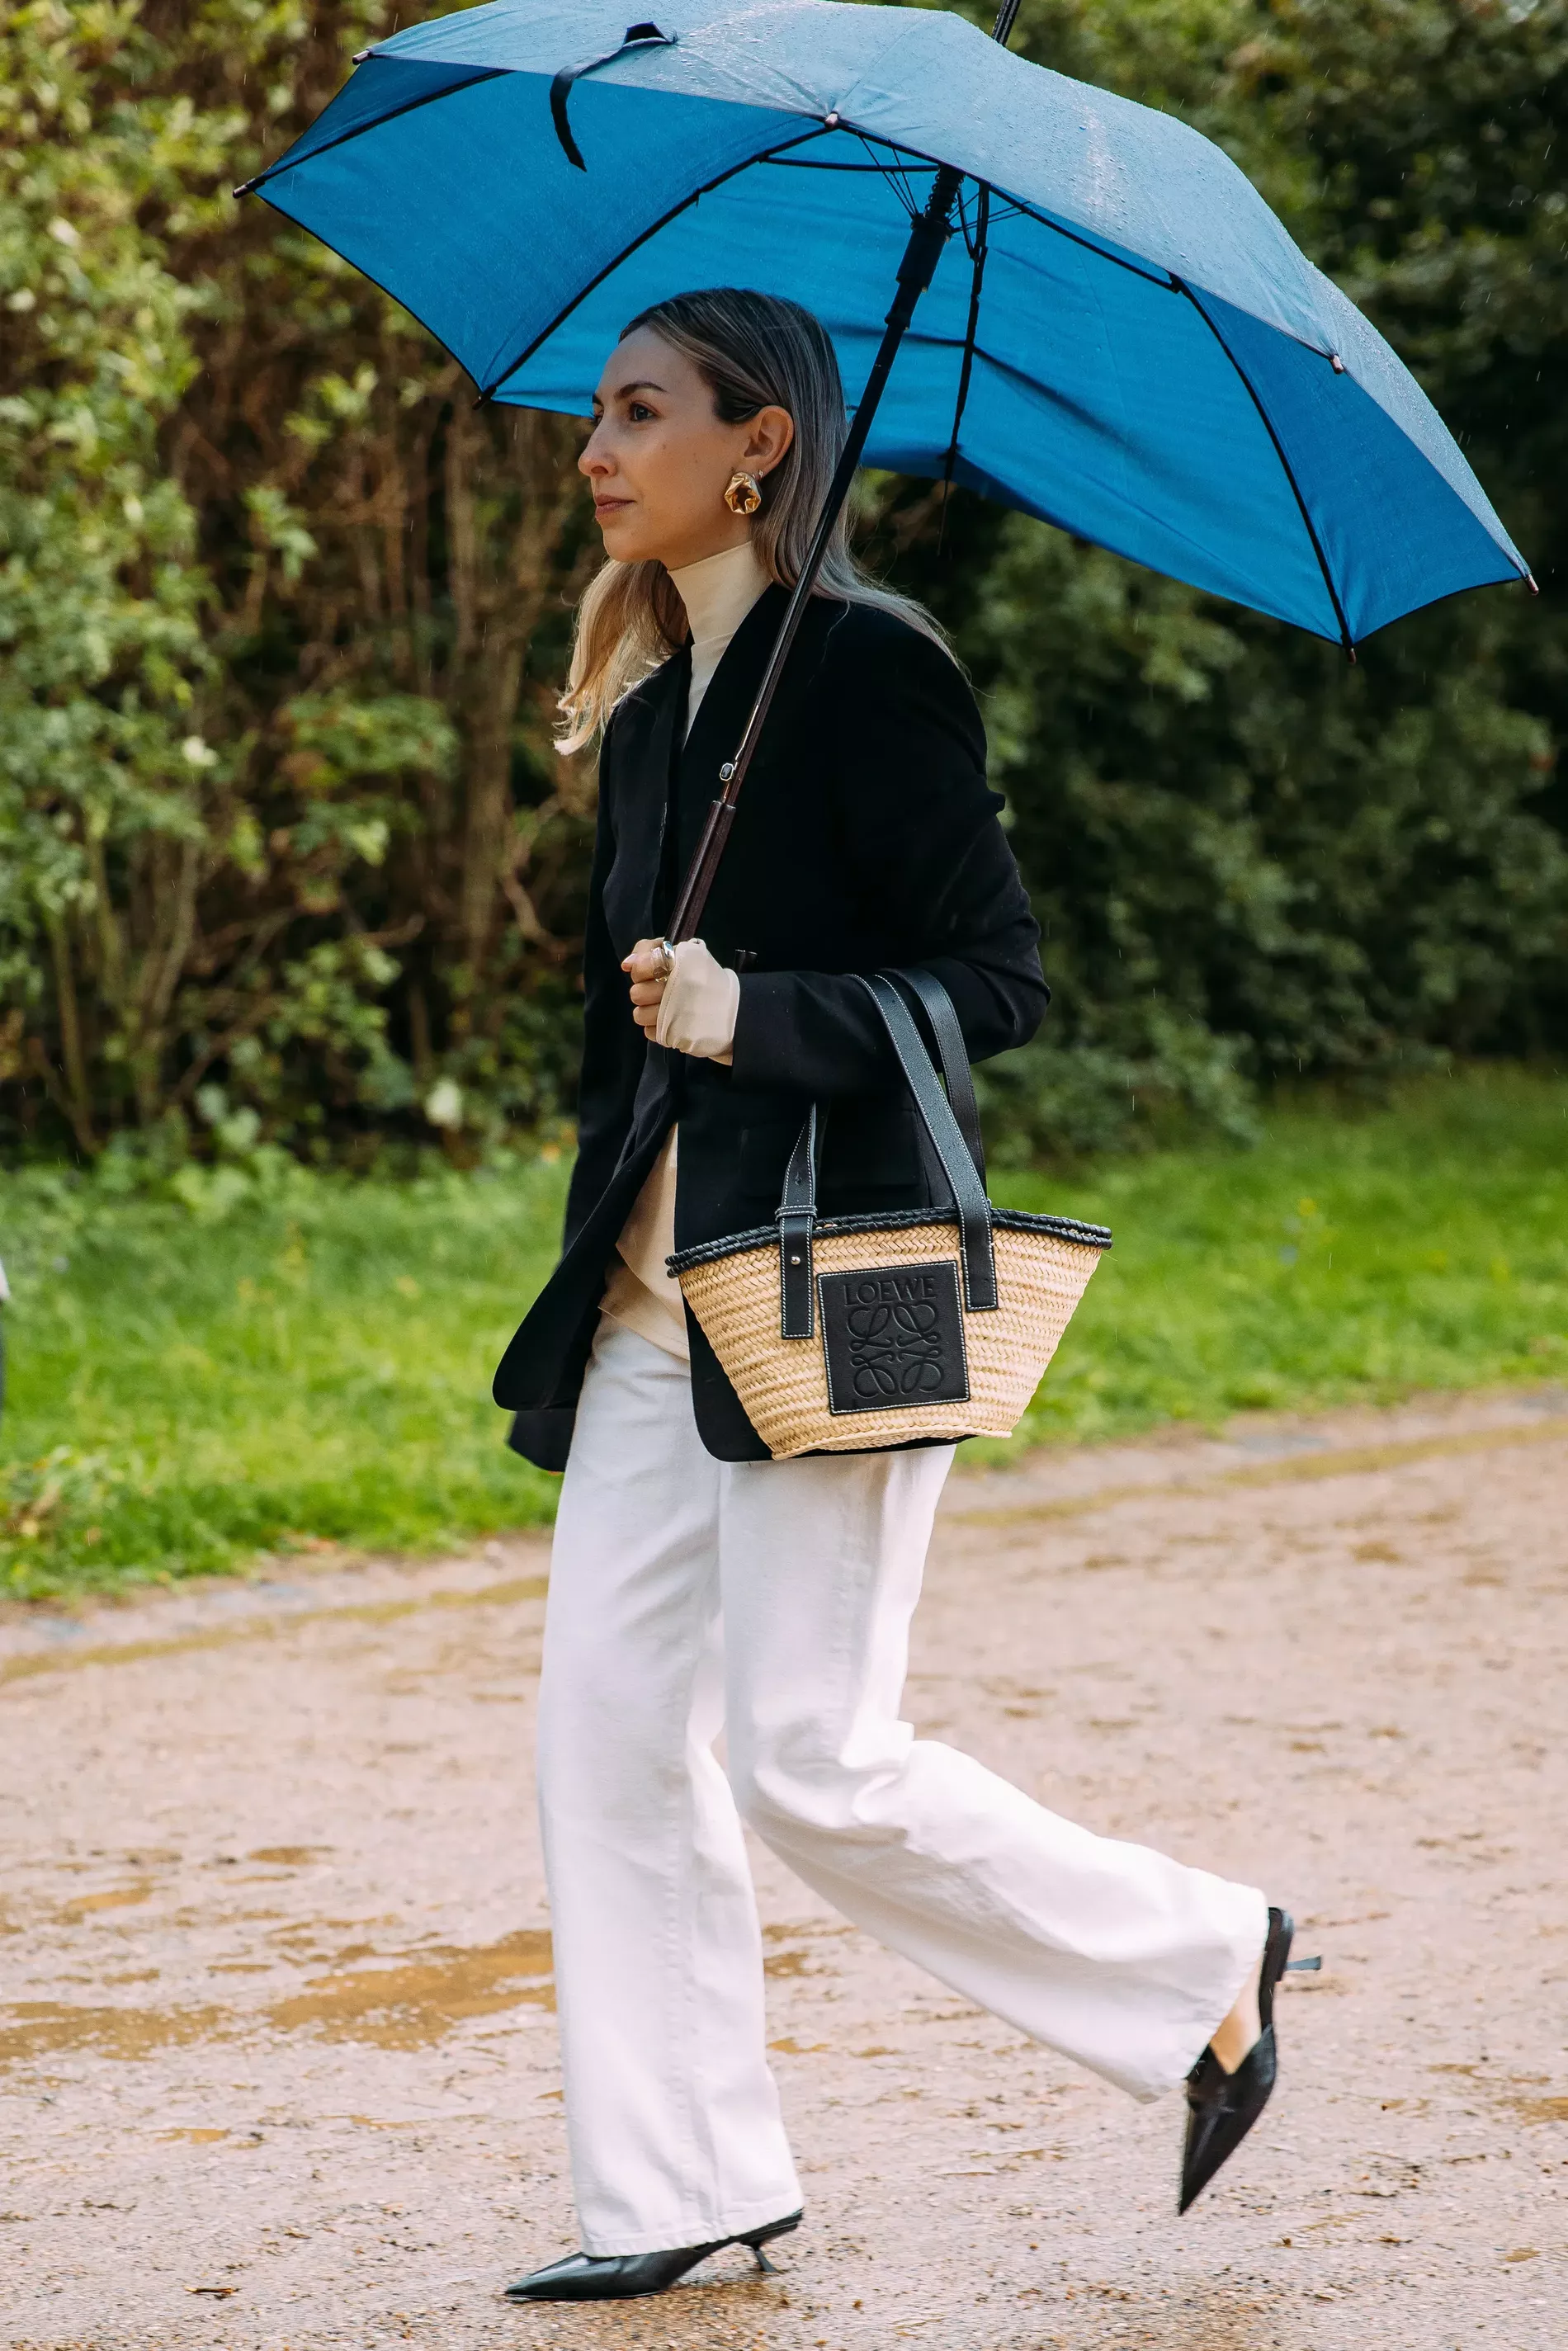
(1105, 1952)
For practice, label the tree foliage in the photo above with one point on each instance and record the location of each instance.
(279, 612)
(285, 852)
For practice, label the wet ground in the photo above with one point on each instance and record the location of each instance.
(277, 2051)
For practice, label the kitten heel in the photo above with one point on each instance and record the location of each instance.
(756, 2238)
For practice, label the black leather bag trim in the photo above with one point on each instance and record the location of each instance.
(890, 1220)
(795, 1217)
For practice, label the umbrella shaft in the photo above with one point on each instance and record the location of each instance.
(928, 233)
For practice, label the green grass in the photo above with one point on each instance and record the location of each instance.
(188, 1390)
(193, 1391)
(1423, 1245)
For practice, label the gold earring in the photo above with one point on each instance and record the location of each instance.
(744, 494)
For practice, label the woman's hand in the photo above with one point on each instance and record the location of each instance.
(684, 999)
(649, 967)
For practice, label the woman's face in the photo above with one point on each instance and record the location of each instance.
(660, 456)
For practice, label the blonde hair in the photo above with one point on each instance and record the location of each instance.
(756, 351)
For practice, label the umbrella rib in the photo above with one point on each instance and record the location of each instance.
(894, 175)
(804, 163)
(488, 390)
(1150, 272)
(448, 90)
(1180, 286)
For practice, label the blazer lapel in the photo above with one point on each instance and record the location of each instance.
(665, 777)
(642, 796)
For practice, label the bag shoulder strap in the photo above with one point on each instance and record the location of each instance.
(958, 1162)
(955, 1053)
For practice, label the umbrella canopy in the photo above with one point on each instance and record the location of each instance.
(1122, 338)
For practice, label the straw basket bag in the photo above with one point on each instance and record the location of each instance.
(855, 1334)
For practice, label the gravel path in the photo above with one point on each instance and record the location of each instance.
(277, 2056)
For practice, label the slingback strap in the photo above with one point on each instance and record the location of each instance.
(638, 37)
(938, 1007)
(957, 1162)
(796, 1217)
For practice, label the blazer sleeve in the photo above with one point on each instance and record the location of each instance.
(614, 1047)
(918, 826)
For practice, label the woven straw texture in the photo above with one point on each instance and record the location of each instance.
(783, 1382)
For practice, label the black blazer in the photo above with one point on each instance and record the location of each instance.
(866, 836)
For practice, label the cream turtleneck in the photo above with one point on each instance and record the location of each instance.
(719, 592)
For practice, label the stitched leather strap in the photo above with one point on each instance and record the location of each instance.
(796, 1217)
(958, 1163)
(939, 1006)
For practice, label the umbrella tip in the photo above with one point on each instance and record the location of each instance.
(1336, 363)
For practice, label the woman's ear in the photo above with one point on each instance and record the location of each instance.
(768, 437)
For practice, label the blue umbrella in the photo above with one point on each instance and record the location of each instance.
(1115, 335)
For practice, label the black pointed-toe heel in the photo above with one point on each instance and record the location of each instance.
(1222, 2107)
(623, 2277)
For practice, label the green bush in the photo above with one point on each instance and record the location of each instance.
(278, 618)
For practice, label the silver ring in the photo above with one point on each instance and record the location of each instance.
(666, 956)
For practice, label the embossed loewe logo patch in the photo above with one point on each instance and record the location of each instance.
(893, 1336)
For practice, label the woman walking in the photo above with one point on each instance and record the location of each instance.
(698, 1585)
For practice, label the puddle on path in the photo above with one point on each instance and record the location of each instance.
(116, 1898)
(1536, 2110)
(411, 2005)
(46, 2028)
(792, 1960)
(408, 2004)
